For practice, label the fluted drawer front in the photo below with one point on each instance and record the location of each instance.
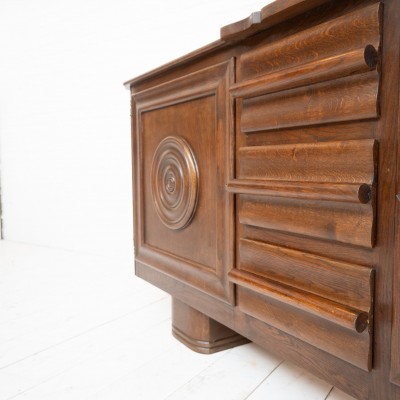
(325, 74)
(323, 41)
(352, 161)
(348, 345)
(307, 106)
(343, 222)
(320, 300)
(346, 99)
(345, 283)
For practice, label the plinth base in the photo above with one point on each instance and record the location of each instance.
(201, 333)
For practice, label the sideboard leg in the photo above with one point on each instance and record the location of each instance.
(201, 333)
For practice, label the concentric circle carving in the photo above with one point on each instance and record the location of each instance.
(174, 182)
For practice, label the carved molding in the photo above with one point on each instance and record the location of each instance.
(174, 182)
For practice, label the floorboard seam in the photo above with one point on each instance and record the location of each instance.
(264, 380)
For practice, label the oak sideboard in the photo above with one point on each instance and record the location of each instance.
(266, 189)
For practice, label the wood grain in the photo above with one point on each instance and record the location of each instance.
(355, 193)
(270, 15)
(348, 223)
(307, 244)
(241, 28)
(338, 281)
(395, 351)
(201, 333)
(340, 131)
(337, 66)
(395, 339)
(345, 316)
(194, 108)
(349, 32)
(174, 182)
(352, 161)
(345, 344)
(148, 79)
(346, 99)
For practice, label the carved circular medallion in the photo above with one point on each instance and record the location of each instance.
(174, 182)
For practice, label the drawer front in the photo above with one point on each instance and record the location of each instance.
(346, 99)
(307, 108)
(321, 45)
(179, 152)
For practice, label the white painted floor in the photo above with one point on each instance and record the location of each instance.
(75, 326)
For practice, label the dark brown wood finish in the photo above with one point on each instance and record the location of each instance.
(387, 135)
(350, 161)
(265, 189)
(337, 281)
(270, 15)
(347, 99)
(200, 332)
(339, 341)
(337, 37)
(395, 358)
(171, 220)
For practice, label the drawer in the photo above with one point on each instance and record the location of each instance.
(322, 194)
(325, 74)
(353, 347)
(320, 190)
(322, 48)
(350, 98)
(322, 301)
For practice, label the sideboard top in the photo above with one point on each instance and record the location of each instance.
(272, 14)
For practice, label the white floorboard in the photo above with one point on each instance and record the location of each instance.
(81, 327)
(159, 377)
(337, 394)
(105, 341)
(233, 377)
(288, 382)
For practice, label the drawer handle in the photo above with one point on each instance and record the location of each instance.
(345, 316)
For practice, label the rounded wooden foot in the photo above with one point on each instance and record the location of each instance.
(201, 333)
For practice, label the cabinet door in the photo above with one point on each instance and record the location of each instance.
(182, 212)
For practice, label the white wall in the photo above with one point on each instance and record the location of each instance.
(64, 114)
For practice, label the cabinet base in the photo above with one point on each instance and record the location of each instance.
(201, 333)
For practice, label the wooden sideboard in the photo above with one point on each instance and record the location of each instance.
(265, 179)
